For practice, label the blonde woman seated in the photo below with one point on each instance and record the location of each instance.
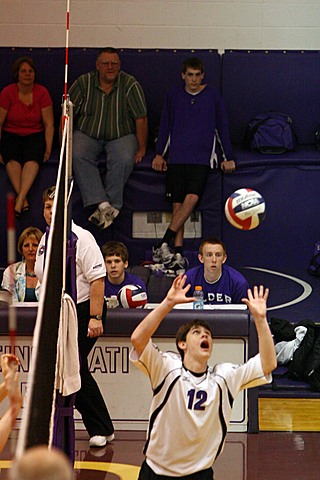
(19, 278)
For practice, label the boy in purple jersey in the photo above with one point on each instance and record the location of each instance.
(192, 401)
(116, 258)
(193, 117)
(220, 283)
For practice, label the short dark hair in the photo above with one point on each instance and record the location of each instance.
(183, 331)
(212, 241)
(28, 232)
(115, 248)
(107, 50)
(17, 64)
(193, 62)
(49, 194)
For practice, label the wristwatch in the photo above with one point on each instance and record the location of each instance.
(97, 317)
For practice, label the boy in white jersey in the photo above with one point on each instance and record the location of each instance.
(192, 402)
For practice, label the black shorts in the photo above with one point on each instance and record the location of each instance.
(182, 179)
(22, 148)
(146, 473)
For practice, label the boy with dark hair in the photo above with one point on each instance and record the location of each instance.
(193, 62)
(115, 248)
(116, 257)
(183, 331)
(192, 402)
(220, 283)
(193, 117)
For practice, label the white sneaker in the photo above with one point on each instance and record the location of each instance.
(100, 440)
(108, 214)
(103, 218)
(179, 264)
(162, 254)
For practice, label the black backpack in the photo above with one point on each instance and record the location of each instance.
(270, 133)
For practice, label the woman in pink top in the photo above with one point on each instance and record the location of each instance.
(26, 129)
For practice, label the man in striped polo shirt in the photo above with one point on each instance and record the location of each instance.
(110, 115)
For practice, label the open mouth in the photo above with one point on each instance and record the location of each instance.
(204, 344)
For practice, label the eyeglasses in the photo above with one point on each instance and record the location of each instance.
(109, 64)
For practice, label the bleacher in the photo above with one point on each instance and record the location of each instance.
(251, 82)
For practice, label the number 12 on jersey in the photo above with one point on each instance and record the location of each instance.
(196, 399)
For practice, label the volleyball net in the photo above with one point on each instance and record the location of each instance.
(38, 412)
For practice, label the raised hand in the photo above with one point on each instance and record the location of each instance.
(177, 292)
(257, 304)
(9, 365)
(257, 301)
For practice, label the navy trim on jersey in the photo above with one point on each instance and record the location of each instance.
(159, 387)
(230, 397)
(223, 424)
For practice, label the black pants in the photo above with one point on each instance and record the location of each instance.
(89, 401)
(146, 473)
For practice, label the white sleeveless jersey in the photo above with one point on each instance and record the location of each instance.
(189, 415)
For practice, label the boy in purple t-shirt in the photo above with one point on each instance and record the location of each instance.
(220, 283)
(116, 258)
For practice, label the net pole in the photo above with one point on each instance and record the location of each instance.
(67, 51)
(65, 97)
(67, 115)
(67, 125)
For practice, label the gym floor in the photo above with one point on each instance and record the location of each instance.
(262, 456)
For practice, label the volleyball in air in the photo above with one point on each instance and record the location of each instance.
(132, 296)
(245, 209)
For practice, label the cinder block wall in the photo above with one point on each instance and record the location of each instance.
(221, 24)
